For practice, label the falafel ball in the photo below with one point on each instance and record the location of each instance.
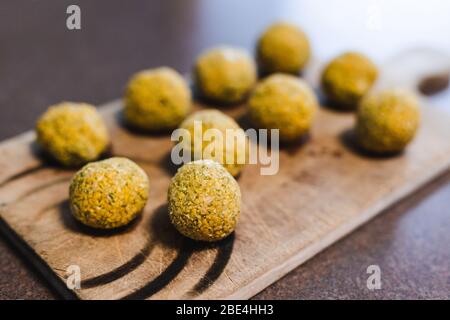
(387, 121)
(72, 133)
(283, 102)
(157, 100)
(204, 201)
(347, 78)
(108, 194)
(283, 47)
(228, 145)
(225, 74)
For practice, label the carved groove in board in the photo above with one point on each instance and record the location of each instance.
(22, 174)
(223, 255)
(170, 273)
(39, 188)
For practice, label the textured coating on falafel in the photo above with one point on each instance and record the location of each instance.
(283, 102)
(225, 74)
(347, 78)
(387, 121)
(72, 133)
(230, 142)
(283, 47)
(157, 100)
(108, 194)
(204, 201)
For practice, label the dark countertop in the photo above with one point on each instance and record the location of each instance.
(41, 62)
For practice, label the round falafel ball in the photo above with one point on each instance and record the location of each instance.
(387, 121)
(347, 78)
(228, 144)
(204, 201)
(225, 74)
(283, 102)
(108, 194)
(283, 47)
(72, 133)
(157, 99)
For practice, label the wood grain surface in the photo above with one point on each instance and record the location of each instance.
(324, 189)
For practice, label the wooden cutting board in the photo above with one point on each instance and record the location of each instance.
(324, 189)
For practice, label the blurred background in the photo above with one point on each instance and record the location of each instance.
(42, 62)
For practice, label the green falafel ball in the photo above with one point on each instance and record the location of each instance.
(157, 99)
(283, 47)
(347, 78)
(283, 102)
(225, 74)
(387, 121)
(228, 144)
(108, 194)
(204, 201)
(72, 133)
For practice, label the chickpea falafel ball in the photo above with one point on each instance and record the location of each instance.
(72, 133)
(157, 99)
(387, 121)
(283, 102)
(347, 78)
(109, 193)
(283, 47)
(225, 74)
(232, 144)
(204, 201)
